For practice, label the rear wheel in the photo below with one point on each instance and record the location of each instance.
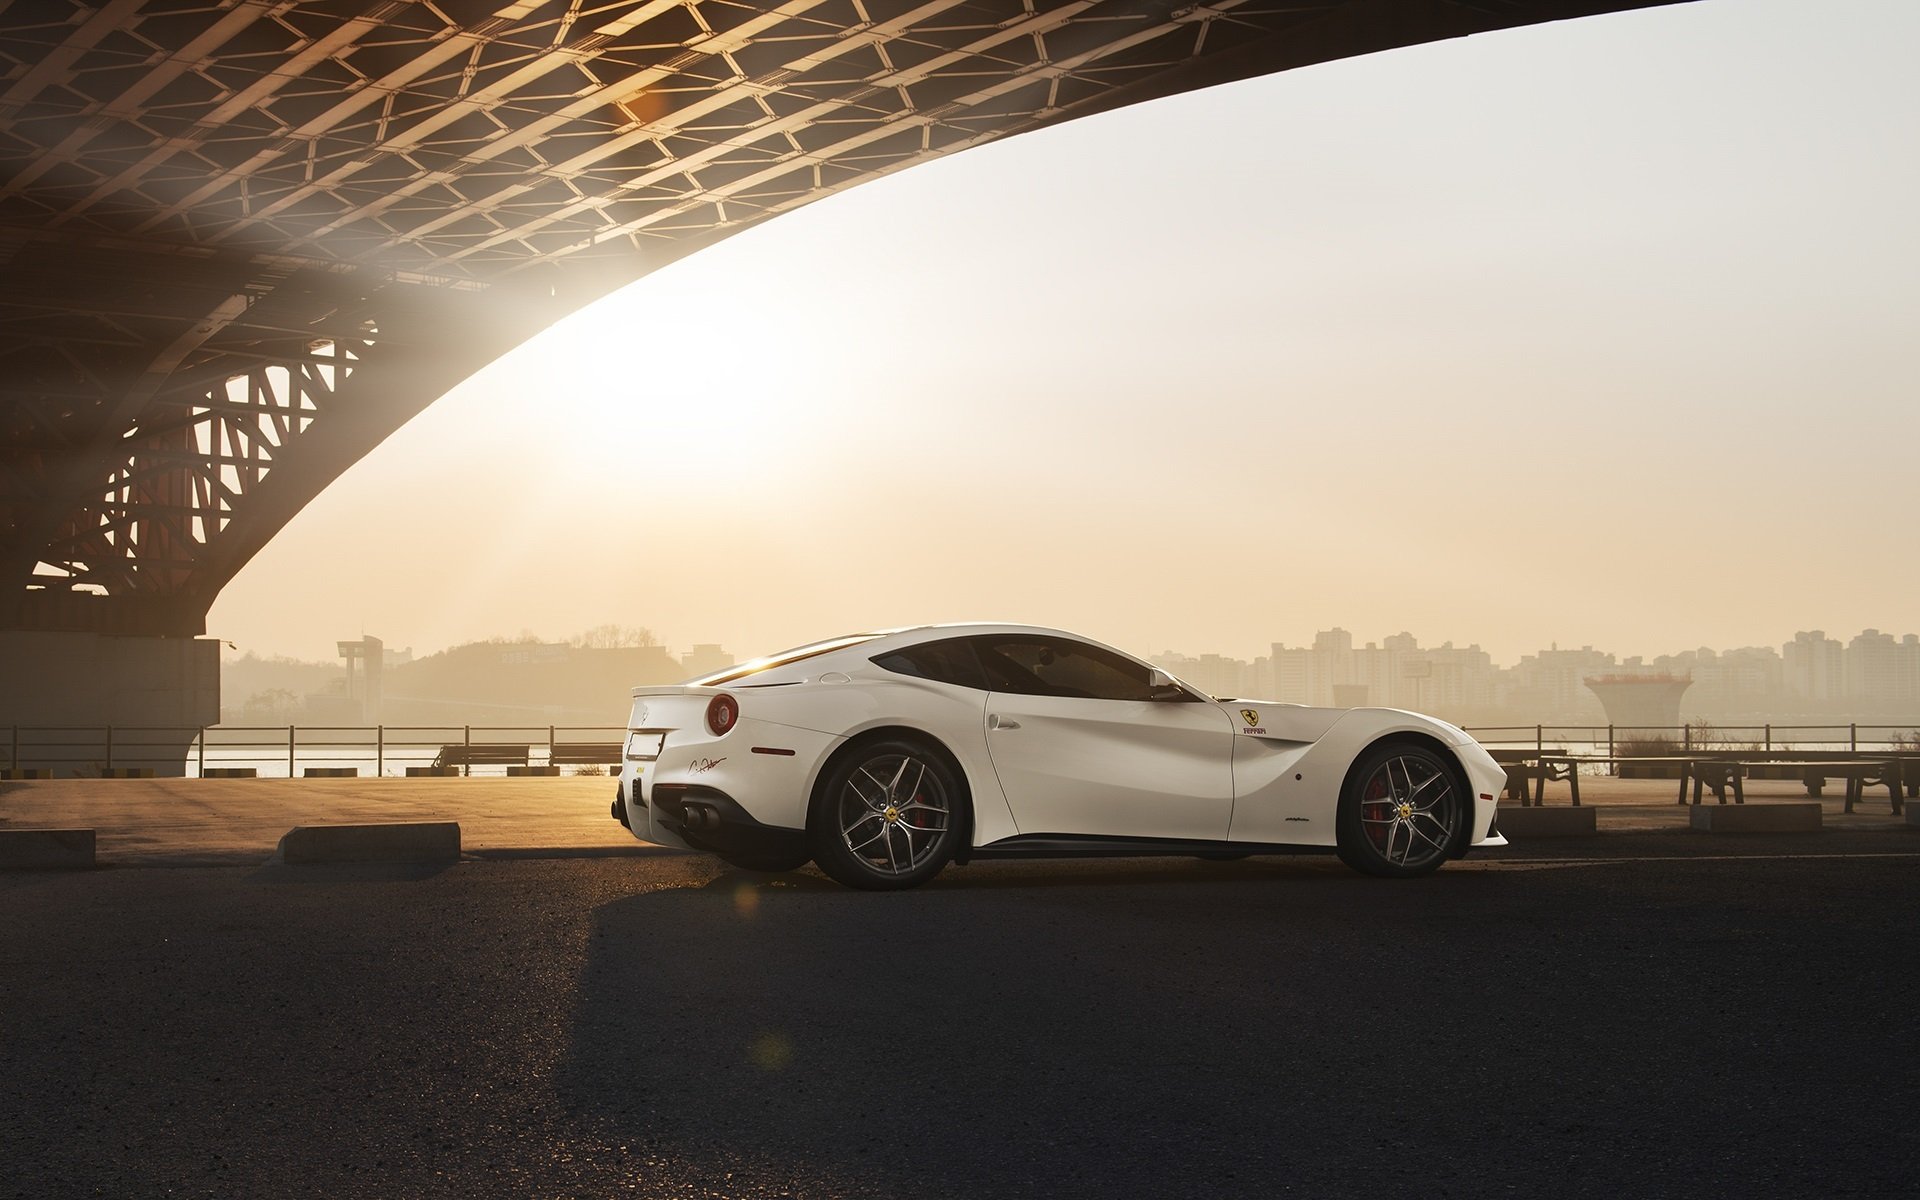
(1400, 812)
(888, 816)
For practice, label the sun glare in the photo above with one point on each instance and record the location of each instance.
(678, 375)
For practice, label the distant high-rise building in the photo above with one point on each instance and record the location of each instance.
(1813, 666)
(1879, 668)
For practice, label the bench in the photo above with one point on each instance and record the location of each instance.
(1539, 774)
(1526, 771)
(467, 755)
(601, 754)
(1720, 774)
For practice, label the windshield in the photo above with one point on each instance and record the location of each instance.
(741, 670)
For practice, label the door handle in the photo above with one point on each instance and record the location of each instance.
(996, 721)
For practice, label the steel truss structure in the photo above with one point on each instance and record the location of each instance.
(242, 241)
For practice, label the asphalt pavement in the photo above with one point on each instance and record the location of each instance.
(1634, 1015)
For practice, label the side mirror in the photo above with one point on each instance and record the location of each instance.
(1161, 686)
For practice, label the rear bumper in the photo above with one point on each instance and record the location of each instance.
(698, 817)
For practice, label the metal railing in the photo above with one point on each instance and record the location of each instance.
(289, 750)
(379, 750)
(1853, 736)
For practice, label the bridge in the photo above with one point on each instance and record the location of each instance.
(243, 241)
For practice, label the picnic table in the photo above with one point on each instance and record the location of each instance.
(1721, 774)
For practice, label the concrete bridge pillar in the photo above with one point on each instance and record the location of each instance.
(80, 702)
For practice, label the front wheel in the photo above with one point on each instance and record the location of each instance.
(1400, 811)
(888, 816)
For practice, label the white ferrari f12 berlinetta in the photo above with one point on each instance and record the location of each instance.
(882, 757)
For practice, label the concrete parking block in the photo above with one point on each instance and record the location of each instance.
(406, 841)
(26, 772)
(432, 772)
(1789, 816)
(46, 849)
(331, 772)
(231, 773)
(1529, 823)
(532, 771)
(126, 773)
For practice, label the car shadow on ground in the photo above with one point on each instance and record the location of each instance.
(1106, 1027)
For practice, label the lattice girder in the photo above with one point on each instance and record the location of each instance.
(241, 241)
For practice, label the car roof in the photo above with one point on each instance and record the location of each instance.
(880, 641)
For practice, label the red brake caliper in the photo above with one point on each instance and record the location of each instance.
(1377, 807)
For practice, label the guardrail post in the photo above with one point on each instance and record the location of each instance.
(549, 745)
(200, 753)
(1769, 737)
(466, 764)
(1853, 737)
(1686, 737)
(290, 770)
(1610, 743)
(1539, 739)
(379, 750)
(13, 756)
(109, 747)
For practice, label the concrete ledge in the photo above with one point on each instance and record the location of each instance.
(45, 849)
(520, 771)
(1547, 822)
(126, 773)
(231, 773)
(1784, 816)
(331, 772)
(26, 772)
(434, 772)
(413, 841)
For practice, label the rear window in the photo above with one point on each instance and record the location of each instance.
(949, 661)
(797, 654)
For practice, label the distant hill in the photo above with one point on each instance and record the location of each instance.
(541, 683)
(511, 683)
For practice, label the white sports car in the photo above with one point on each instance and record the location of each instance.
(884, 756)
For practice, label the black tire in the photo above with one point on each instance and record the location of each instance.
(770, 864)
(888, 815)
(1400, 811)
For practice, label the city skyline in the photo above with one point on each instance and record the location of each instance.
(1872, 673)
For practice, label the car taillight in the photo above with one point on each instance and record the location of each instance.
(722, 712)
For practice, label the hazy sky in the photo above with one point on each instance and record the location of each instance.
(1601, 332)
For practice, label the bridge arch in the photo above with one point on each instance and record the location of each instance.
(243, 244)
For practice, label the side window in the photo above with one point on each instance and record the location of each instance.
(1044, 666)
(951, 661)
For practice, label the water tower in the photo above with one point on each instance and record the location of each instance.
(1634, 702)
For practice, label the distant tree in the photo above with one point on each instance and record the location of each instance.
(613, 637)
(274, 702)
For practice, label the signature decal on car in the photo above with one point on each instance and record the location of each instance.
(701, 766)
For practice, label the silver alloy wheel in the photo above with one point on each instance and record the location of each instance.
(1409, 810)
(894, 813)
